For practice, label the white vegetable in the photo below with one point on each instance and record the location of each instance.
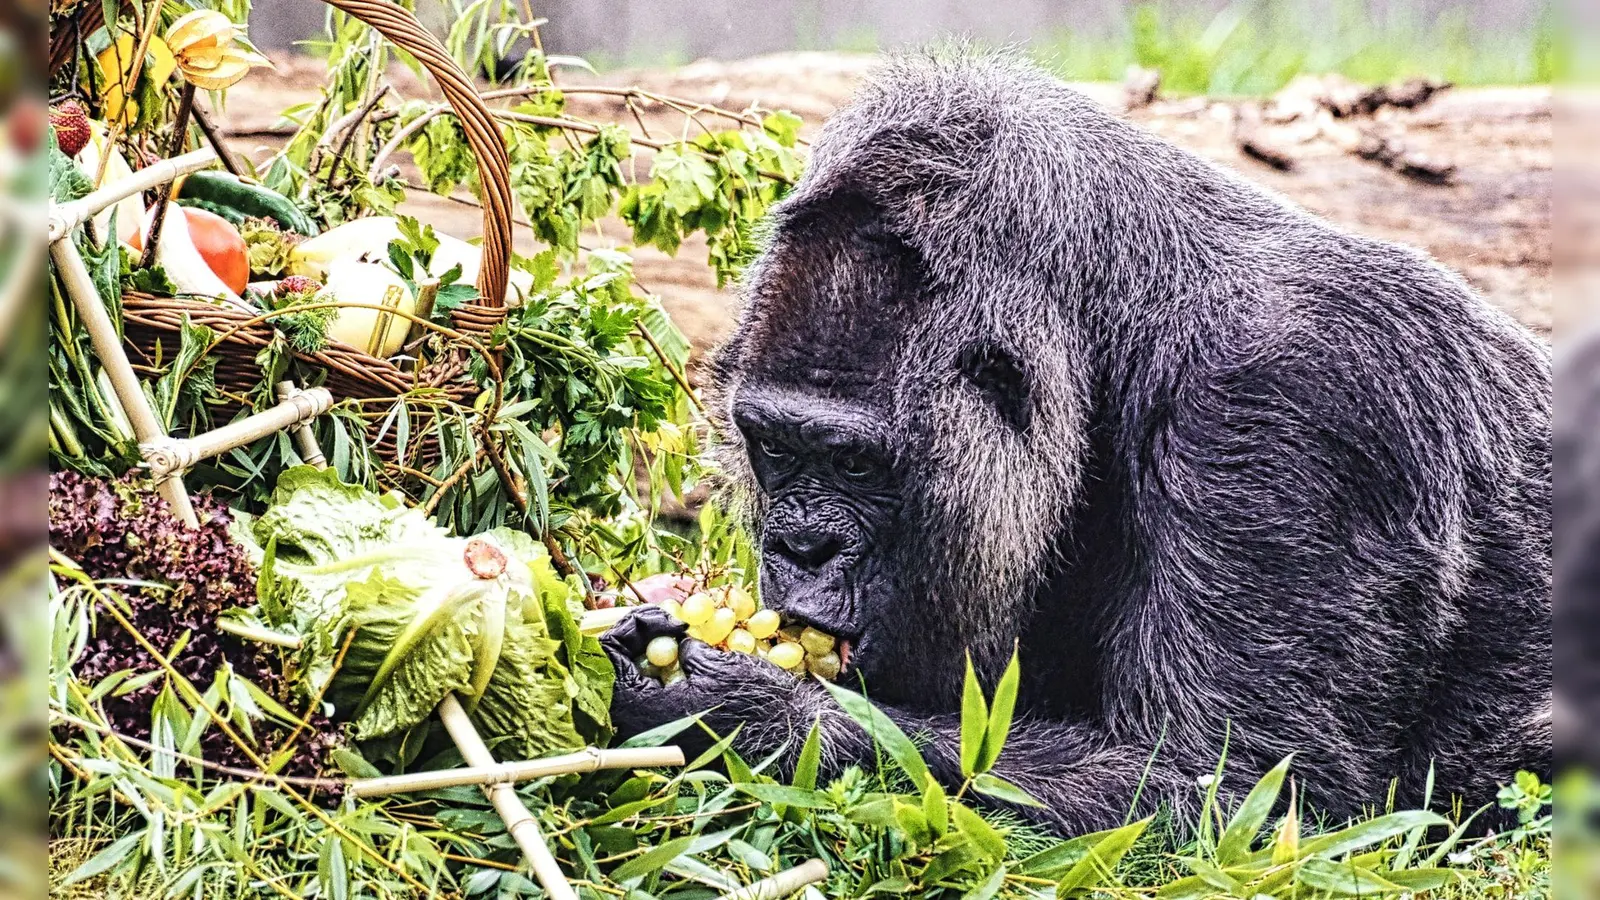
(369, 239)
(129, 210)
(185, 267)
(379, 333)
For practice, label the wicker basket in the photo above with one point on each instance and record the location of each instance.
(151, 324)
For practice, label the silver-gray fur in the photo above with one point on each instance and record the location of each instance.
(1216, 465)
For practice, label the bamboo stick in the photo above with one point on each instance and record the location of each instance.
(590, 759)
(519, 821)
(114, 362)
(593, 622)
(305, 440)
(158, 212)
(65, 217)
(598, 621)
(166, 456)
(782, 884)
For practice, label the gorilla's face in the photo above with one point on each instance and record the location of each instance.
(826, 469)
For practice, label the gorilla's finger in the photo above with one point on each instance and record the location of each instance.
(630, 681)
(700, 660)
(634, 632)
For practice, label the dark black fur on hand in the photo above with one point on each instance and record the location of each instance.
(1013, 370)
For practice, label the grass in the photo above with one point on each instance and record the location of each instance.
(1254, 47)
(125, 824)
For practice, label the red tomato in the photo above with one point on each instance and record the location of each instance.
(221, 246)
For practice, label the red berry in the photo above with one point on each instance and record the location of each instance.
(71, 125)
(26, 125)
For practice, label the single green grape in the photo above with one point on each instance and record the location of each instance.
(825, 666)
(787, 655)
(722, 623)
(763, 624)
(816, 642)
(741, 641)
(742, 602)
(697, 609)
(662, 651)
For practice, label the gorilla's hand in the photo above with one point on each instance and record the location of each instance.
(729, 688)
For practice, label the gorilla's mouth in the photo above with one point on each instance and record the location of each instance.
(846, 643)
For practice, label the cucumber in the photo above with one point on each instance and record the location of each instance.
(234, 217)
(249, 200)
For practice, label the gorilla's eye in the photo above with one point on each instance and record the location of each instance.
(857, 466)
(771, 450)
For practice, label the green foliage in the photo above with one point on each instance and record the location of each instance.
(719, 823)
(1257, 46)
(719, 184)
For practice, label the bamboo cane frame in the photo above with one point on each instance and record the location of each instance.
(66, 216)
(782, 884)
(305, 441)
(589, 759)
(520, 823)
(167, 456)
(147, 427)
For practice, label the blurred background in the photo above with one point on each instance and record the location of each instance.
(1249, 46)
(1288, 92)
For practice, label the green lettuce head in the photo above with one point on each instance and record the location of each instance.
(418, 614)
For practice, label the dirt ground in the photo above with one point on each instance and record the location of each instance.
(1490, 221)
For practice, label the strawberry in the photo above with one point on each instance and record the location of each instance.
(71, 125)
(25, 125)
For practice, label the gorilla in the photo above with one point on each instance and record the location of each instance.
(1012, 373)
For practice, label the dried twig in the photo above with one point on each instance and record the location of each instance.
(208, 127)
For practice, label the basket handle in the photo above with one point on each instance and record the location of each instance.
(494, 166)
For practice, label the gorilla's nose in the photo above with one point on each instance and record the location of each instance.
(809, 551)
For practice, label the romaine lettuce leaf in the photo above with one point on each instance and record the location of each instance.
(341, 565)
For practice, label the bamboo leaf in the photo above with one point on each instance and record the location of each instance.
(935, 809)
(1343, 879)
(974, 721)
(810, 760)
(985, 838)
(799, 798)
(107, 858)
(884, 732)
(1370, 832)
(1005, 703)
(994, 786)
(1234, 845)
(1097, 865)
(1424, 879)
(657, 859)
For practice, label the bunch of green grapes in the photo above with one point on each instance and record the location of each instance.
(727, 618)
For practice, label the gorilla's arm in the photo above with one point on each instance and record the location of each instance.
(1085, 781)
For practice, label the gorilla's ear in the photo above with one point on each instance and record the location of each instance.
(1000, 378)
